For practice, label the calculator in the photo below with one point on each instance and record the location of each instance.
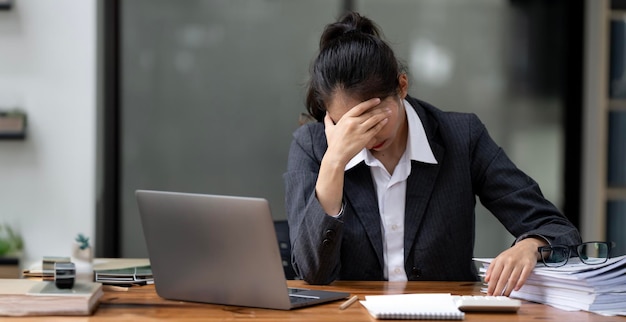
(486, 303)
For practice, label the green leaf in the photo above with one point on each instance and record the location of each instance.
(5, 246)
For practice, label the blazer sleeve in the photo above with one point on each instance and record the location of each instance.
(315, 236)
(512, 196)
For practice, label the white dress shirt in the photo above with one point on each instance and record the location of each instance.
(391, 192)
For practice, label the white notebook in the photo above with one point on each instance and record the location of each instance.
(421, 306)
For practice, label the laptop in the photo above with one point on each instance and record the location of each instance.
(218, 249)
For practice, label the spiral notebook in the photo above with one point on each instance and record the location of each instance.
(421, 306)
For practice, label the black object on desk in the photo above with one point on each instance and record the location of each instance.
(64, 275)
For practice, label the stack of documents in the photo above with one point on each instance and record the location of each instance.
(576, 286)
(139, 275)
(123, 271)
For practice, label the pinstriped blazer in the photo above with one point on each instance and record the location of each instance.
(440, 201)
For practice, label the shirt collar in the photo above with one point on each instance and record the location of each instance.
(418, 148)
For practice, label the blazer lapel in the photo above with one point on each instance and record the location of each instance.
(418, 190)
(359, 189)
(420, 183)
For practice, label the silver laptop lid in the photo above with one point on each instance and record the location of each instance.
(213, 249)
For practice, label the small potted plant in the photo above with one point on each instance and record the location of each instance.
(82, 249)
(11, 243)
(82, 257)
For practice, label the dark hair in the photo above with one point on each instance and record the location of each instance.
(354, 58)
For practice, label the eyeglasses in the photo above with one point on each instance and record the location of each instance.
(590, 253)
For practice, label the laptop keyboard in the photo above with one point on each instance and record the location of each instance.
(295, 290)
(295, 297)
(299, 299)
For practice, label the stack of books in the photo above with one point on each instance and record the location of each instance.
(127, 276)
(576, 286)
(25, 297)
(108, 271)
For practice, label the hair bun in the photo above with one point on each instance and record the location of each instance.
(349, 24)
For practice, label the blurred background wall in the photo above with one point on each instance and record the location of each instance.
(48, 69)
(211, 91)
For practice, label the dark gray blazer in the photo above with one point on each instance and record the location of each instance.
(440, 200)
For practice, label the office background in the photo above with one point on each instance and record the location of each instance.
(203, 97)
(210, 92)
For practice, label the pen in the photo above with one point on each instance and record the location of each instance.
(349, 302)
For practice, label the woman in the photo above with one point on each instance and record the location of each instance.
(383, 186)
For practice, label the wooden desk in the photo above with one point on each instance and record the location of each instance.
(141, 304)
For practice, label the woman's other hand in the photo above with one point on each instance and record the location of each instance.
(509, 270)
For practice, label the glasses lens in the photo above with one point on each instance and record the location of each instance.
(593, 252)
(555, 255)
